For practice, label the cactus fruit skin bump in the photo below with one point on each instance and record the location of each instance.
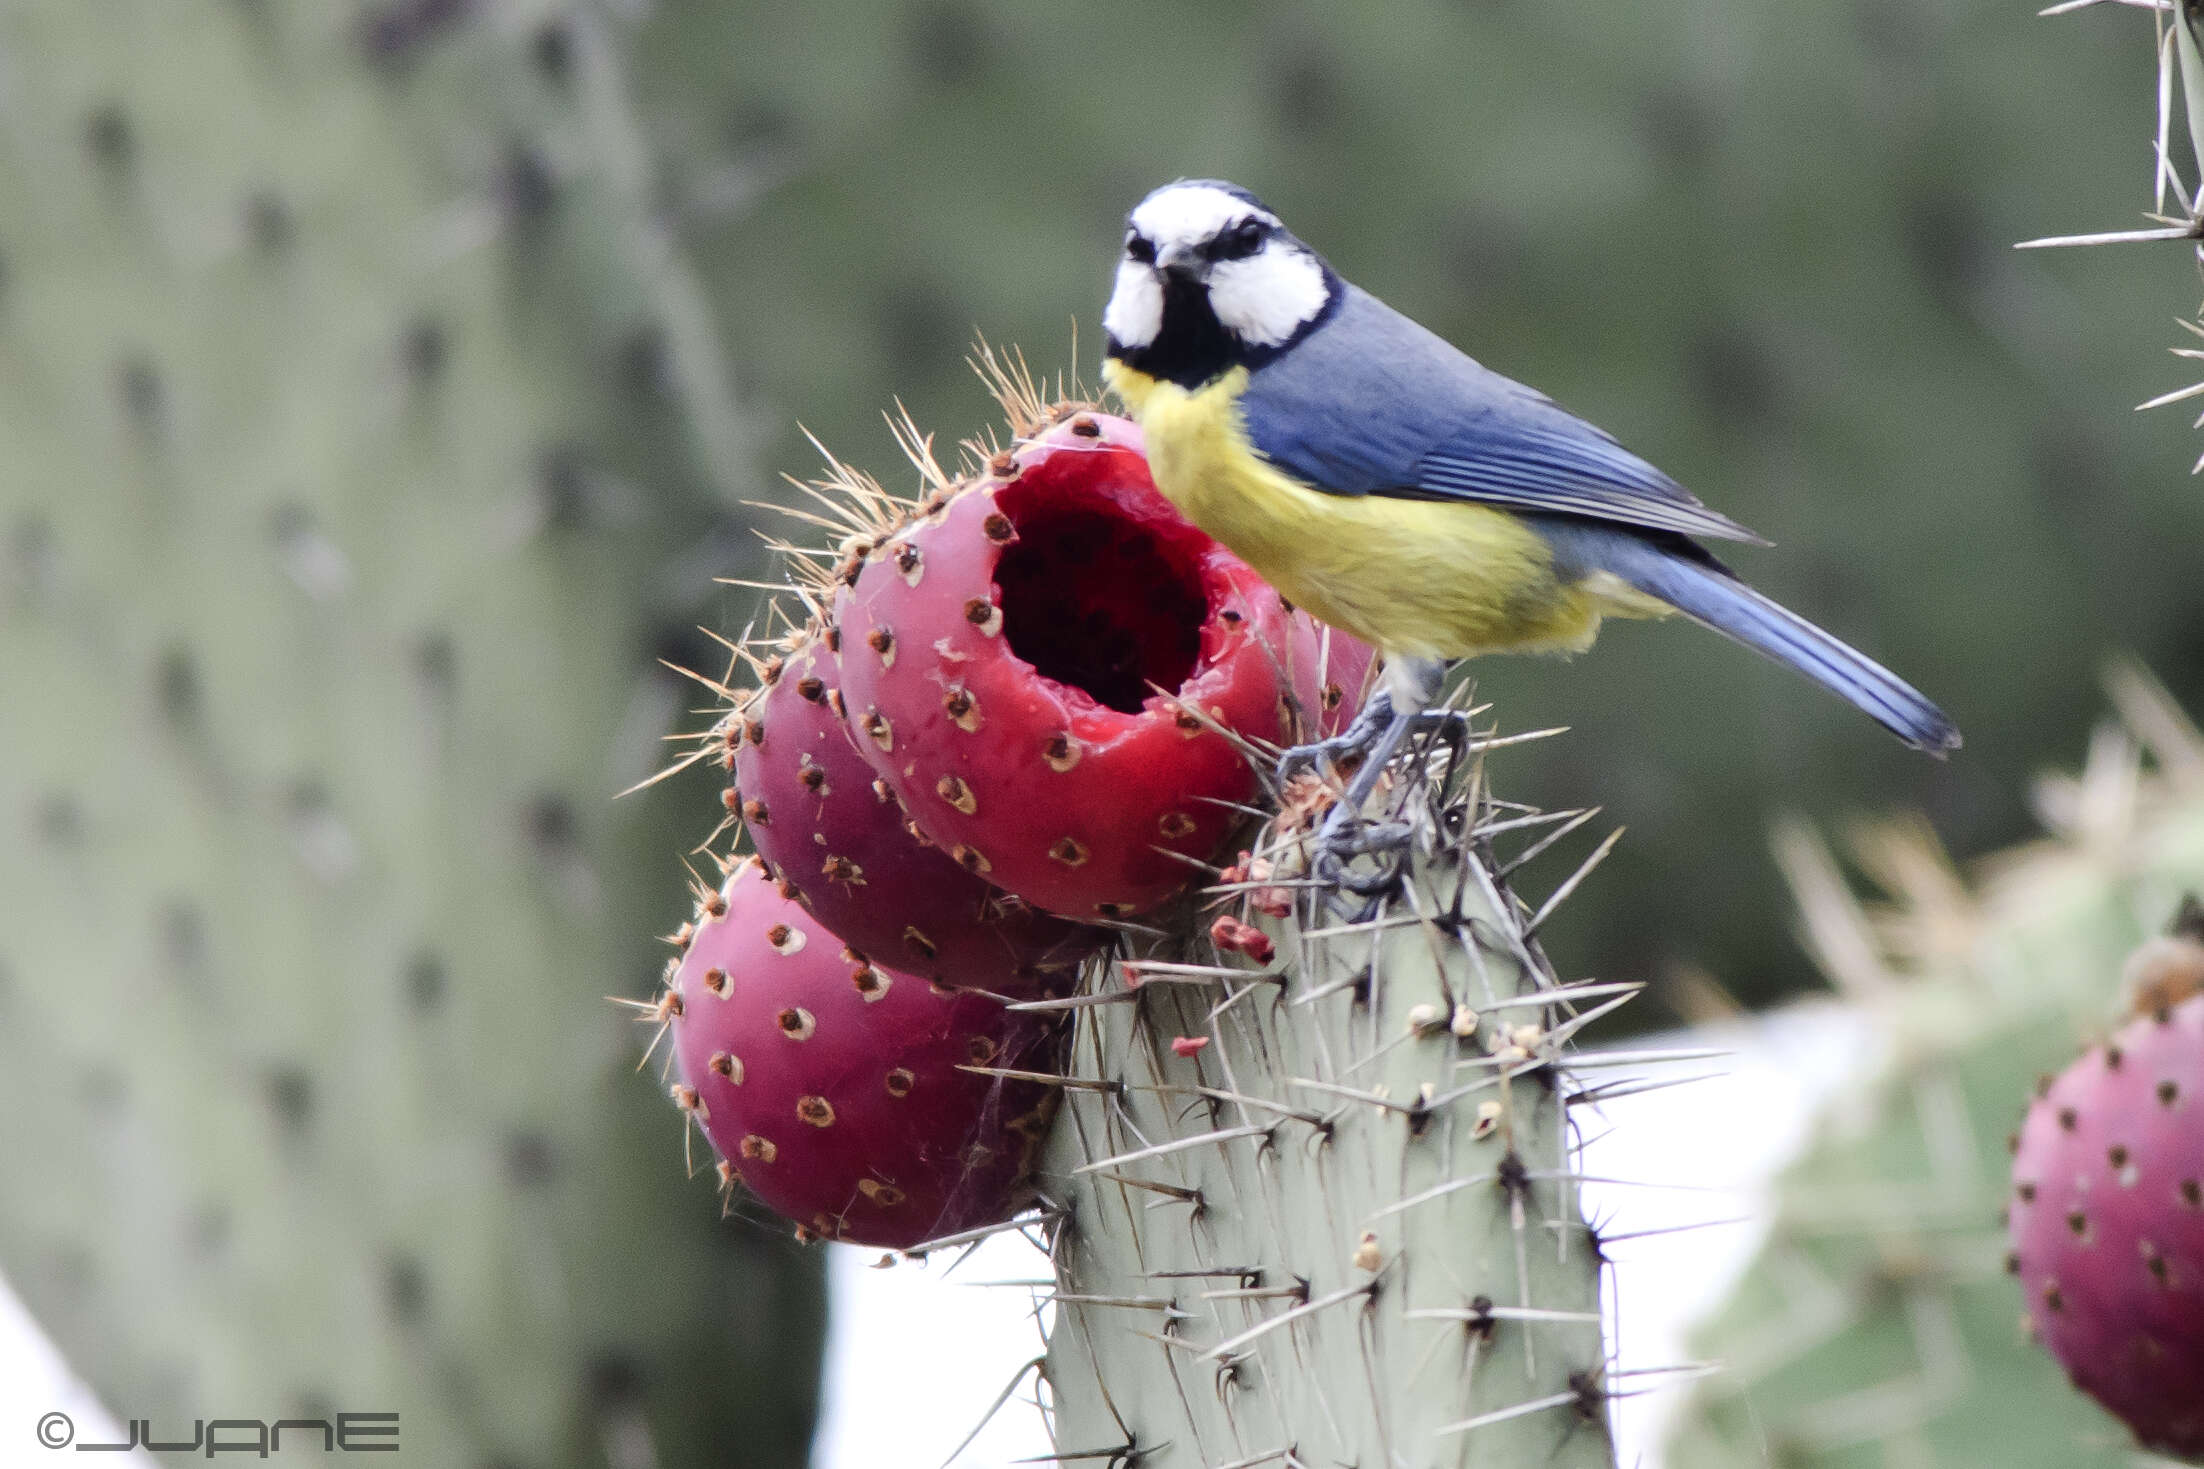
(831, 1086)
(1317, 1204)
(837, 837)
(1034, 666)
(2107, 1225)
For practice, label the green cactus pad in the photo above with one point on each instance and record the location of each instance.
(327, 554)
(1878, 1325)
(1316, 1210)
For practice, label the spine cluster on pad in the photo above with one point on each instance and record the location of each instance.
(1315, 1198)
(1888, 1316)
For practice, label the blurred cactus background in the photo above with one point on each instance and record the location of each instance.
(358, 464)
(383, 382)
(1876, 1324)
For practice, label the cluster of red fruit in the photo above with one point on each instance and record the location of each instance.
(1026, 707)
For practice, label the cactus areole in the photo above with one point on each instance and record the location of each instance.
(832, 1087)
(2107, 1225)
(1041, 667)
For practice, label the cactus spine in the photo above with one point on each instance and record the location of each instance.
(1321, 1208)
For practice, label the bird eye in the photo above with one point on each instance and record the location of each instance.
(1240, 241)
(1139, 247)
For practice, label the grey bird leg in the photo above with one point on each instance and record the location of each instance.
(1369, 722)
(1395, 712)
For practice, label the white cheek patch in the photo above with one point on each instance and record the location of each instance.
(1187, 214)
(1264, 299)
(1134, 317)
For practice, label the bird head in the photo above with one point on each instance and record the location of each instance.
(1210, 279)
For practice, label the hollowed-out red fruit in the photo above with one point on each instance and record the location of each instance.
(1036, 669)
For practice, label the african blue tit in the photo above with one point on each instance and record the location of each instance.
(1395, 488)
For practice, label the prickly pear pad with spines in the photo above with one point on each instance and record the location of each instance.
(2107, 1225)
(1058, 674)
(836, 837)
(333, 544)
(1322, 1209)
(1877, 1325)
(835, 1088)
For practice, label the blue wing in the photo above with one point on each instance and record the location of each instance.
(1373, 404)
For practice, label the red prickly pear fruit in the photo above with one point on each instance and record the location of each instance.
(838, 839)
(2106, 1225)
(1001, 661)
(831, 1086)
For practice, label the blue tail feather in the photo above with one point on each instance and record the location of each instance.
(1700, 588)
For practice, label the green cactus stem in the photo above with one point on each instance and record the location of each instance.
(1315, 1191)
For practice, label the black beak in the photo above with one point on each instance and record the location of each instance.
(1179, 266)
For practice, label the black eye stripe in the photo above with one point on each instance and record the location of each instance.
(1139, 247)
(1240, 241)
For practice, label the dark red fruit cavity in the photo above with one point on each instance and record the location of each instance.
(1039, 668)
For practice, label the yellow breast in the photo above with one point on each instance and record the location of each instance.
(1428, 579)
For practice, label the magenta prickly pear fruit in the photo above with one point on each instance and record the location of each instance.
(832, 1086)
(2107, 1225)
(836, 837)
(1038, 666)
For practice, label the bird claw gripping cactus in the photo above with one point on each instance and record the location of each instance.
(1313, 1200)
(2107, 1224)
(864, 1102)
